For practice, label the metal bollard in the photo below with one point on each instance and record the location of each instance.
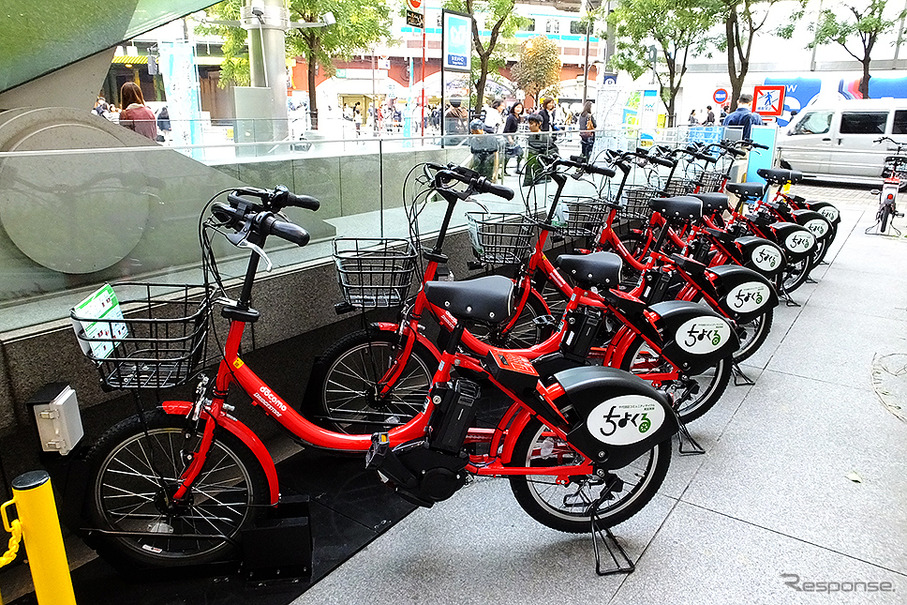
(37, 512)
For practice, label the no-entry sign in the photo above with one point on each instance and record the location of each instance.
(720, 96)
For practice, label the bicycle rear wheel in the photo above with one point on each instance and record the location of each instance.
(884, 214)
(133, 473)
(566, 506)
(346, 382)
(693, 395)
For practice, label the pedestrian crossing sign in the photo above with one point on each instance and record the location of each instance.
(768, 100)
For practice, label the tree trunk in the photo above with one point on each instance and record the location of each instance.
(864, 82)
(313, 108)
(736, 82)
(480, 85)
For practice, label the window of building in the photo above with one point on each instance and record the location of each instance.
(552, 26)
(863, 122)
(814, 122)
(528, 25)
(900, 123)
(577, 27)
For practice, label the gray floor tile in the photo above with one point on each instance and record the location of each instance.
(784, 460)
(864, 293)
(837, 346)
(702, 557)
(480, 547)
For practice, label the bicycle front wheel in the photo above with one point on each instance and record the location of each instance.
(347, 382)
(134, 471)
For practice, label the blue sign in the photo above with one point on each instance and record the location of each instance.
(720, 96)
(457, 33)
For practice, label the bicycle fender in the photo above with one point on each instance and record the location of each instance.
(743, 294)
(244, 434)
(621, 415)
(695, 337)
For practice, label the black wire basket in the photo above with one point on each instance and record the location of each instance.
(500, 238)
(679, 186)
(374, 272)
(156, 340)
(583, 217)
(634, 202)
(710, 181)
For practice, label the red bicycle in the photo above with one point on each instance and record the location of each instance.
(178, 484)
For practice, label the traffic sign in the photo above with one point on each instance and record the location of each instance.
(415, 5)
(768, 100)
(720, 96)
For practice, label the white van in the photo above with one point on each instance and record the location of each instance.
(834, 141)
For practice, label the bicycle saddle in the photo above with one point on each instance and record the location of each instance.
(486, 299)
(597, 269)
(682, 207)
(712, 202)
(752, 190)
(779, 176)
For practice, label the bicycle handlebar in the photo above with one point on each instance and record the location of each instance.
(280, 197)
(578, 161)
(476, 182)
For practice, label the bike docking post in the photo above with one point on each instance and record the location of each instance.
(38, 524)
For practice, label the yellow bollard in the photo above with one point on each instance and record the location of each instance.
(34, 500)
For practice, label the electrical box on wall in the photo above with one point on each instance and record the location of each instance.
(57, 416)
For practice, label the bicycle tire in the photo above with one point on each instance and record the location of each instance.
(795, 275)
(884, 213)
(752, 333)
(715, 378)
(524, 333)
(346, 376)
(227, 496)
(566, 507)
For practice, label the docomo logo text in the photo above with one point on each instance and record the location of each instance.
(267, 396)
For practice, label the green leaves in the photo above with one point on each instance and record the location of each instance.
(676, 27)
(539, 67)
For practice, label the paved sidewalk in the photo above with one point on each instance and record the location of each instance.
(803, 476)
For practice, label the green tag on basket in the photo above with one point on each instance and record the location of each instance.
(98, 324)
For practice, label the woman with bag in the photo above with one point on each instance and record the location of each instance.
(511, 126)
(587, 130)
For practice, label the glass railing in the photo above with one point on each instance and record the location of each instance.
(73, 219)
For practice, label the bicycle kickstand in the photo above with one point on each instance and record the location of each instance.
(740, 378)
(621, 560)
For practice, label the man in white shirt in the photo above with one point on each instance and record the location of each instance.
(493, 120)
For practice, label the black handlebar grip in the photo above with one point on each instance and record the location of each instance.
(642, 151)
(589, 167)
(303, 201)
(751, 143)
(706, 158)
(486, 186)
(226, 213)
(737, 153)
(661, 161)
(290, 232)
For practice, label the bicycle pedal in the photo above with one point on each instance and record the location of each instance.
(544, 321)
(474, 265)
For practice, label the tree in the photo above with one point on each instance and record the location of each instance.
(235, 68)
(678, 30)
(743, 19)
(359, 24)
(848, 22)
(502, 22)
(539, 67)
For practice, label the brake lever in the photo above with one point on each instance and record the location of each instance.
(240, 240)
